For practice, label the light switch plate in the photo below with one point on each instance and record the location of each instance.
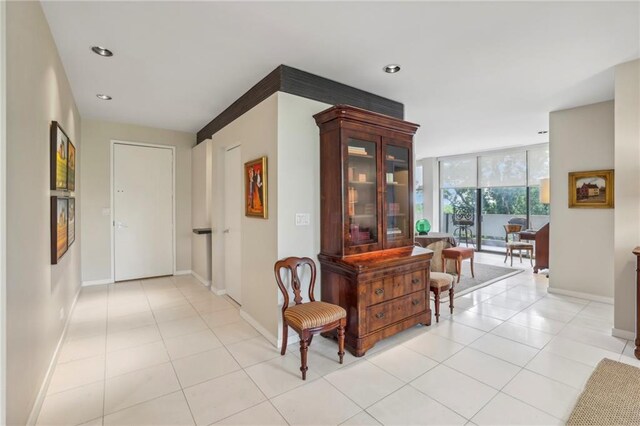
(303, 219)
(106, 211)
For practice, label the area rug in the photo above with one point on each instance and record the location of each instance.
(610, 397)
(484, 275)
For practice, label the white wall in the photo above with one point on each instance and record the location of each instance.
(298, 181)
(96, 197)
(627, 191)
(3, 212)
(581, 240)
(37, 93)
(201, 210)
(256, 131)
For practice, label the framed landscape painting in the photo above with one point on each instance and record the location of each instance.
(592, 189)
(255, 188)
(71, 166)
(59, 144)
(71, 222)
(59, 228)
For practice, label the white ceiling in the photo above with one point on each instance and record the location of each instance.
(475, 75)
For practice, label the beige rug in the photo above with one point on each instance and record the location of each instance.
(610, 397)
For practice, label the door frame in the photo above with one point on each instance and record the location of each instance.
(112, 148)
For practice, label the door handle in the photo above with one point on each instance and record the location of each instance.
(226, 231)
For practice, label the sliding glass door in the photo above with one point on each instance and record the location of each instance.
(485, 196)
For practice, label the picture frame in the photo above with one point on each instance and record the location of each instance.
(71, 166)
(59, 228)
(256, 188)
(71, 222)
(59, 142)
(591, 189)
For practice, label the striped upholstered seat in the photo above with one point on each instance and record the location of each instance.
(307, 318)
(313, 314)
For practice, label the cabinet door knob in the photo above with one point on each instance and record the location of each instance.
(415, 280)
(415, 302)
(380, 315)
(379, 291)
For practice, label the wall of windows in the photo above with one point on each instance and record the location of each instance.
(481, 193)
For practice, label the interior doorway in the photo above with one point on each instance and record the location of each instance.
(232, 234)
(143, 210)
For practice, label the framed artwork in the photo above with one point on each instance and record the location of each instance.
(71, 222)
(59, 228)
(59, 144)
(71, 166)
(592, 189)
(255, 188)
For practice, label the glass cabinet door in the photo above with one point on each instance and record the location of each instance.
(397, 196)
(362, 192)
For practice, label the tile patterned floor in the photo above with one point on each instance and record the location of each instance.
(167, 351)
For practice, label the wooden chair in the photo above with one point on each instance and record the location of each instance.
(438, 283)
(307, 318)
(520, 246)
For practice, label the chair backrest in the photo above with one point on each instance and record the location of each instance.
(522, 221)
(292, 265)
(463, 215)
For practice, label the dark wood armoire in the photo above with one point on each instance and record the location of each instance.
(368, 260)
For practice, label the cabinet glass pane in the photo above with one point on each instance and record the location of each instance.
(362, 194)
(396, 177)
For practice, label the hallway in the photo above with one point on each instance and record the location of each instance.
(167, 351)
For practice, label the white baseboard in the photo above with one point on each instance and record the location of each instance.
(97, 282)
(206, 283)
(623, 334)
(255, 324)
(184, 272)
(42, 393)
(219, 291)
(581, 295)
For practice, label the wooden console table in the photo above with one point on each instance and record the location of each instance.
(636, 252)
(541, 237)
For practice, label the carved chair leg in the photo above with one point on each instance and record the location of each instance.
(459, 267)
(341, 327)
(451, 299)
(285, 337)
(304, 347)
(437, 294)
(506, 255)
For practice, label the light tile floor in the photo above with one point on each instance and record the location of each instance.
(168, 351)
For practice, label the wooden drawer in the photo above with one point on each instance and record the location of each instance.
(393, 287)
(386, 313)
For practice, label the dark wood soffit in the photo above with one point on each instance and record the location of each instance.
(304, 84)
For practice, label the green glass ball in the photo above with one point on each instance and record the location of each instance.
(423, 226)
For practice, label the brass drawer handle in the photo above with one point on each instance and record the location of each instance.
(380, 315)
(415, 280)
(379, 291)
(415, 302)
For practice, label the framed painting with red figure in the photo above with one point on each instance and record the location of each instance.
(255, 188)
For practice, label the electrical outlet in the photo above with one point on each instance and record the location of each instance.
(61, 314)
(303, 219)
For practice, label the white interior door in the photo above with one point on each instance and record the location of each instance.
(232, 223)
(143, 211)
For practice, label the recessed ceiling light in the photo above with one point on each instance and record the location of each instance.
(392, 68)
(103, 97)
(102, 51)
(543, 132)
